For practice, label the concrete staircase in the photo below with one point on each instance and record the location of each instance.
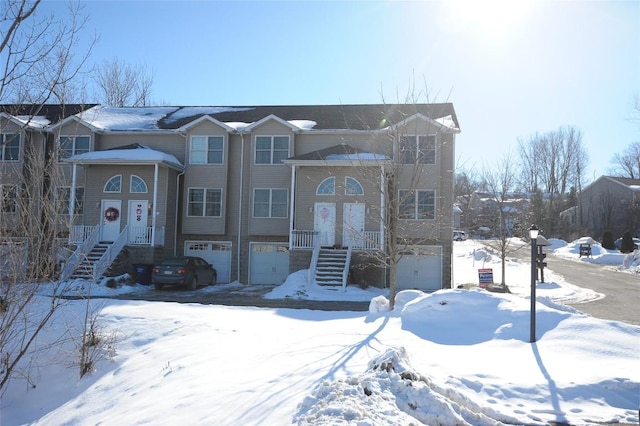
(85, 268)
(332, 266)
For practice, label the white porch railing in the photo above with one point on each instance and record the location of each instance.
(301, 239)
(136, 235)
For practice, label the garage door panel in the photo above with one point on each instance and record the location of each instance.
(215, 252)
(268, 263)
(420, 269)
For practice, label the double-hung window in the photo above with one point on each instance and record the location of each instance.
(64, 196)
(271, 149)
(204, 202)
(417, 204)
(74, 145)
(270, 203)
(419, 149)
(9, 147)
(206, 150)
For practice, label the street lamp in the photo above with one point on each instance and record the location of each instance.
(533, 236)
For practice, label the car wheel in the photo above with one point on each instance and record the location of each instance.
(214, 277)
(158, 286)
(193, 284)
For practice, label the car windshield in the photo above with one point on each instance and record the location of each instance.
(175, 262)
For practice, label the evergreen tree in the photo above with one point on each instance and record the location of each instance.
(627, 245)
(607, 240)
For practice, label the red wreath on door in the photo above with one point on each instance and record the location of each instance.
(111, 214)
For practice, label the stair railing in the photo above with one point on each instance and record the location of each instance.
(102, 264)
(345, 273)
(314, 259)
(80, 253)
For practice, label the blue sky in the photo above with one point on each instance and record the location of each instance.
(511, 68)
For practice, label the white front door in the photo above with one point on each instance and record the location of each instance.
(353, 225)
(325, 223)
(111, 210)
(137, 221)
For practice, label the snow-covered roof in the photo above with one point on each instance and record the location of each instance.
(125, 119)
(131, 155)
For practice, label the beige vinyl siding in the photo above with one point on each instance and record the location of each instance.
(210, 176)
(10, 171)
(170, 144)
(72, 129)
(268, 176)
(98, 175)
(310, 177)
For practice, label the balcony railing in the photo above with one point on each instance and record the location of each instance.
(302, 239)
(135, 235)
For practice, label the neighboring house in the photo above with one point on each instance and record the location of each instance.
(608, 204)
(254, 190)
(484, 212)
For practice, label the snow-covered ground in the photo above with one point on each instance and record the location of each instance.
(452, 357)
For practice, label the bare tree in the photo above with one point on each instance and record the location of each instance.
(123, 85)
(465, 184)
(553, 163)
(41, 61)
(627, 163)
(500, 181)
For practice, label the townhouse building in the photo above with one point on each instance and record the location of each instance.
(258, 191)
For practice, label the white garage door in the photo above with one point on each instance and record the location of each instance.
(268, 263)
(421, 268)
(218, 253)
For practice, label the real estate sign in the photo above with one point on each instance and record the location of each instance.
(485, 277)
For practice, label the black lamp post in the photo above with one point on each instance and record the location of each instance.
(533, 235)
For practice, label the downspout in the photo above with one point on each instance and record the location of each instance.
(155, 203)
(240, 210)
(175, 226)
(292, 207)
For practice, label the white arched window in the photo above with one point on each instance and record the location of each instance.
(327, 187)
(114, 184)
(352, 187)
(138, 185)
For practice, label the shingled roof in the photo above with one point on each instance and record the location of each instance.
(52, 112)
(352, 117)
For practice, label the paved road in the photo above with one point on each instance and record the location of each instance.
(621, 289)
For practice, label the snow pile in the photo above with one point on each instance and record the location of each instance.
(390, 393)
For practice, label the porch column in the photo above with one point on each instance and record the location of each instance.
(292, 206)
(154, 204)
(72, 194)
